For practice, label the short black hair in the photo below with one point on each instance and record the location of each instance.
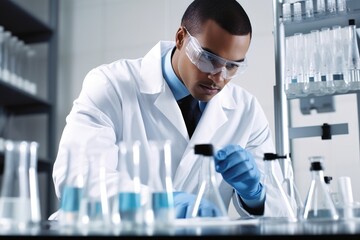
(229, 14)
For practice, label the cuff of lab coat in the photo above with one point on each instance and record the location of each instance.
(255, 205)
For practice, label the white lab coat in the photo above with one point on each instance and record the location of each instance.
(130, 100)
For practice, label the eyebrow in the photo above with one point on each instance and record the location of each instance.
(208, 50)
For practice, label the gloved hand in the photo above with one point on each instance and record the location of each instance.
(184, 204)
(238, 168)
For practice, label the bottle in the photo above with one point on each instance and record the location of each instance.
(208, 186)
(270, 179)
(318, 205)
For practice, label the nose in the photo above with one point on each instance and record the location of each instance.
(216, 76)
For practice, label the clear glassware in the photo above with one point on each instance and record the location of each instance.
(313, 62)
(1, 50)
(286, 10)
(297, 11)
(320, 7)
(127, 213)
(19, 200)
(6, 57)
(331, 6)
(290, 76)
(352, 56)
(309, 9)
(161, 201)
(318, 205)
(338, 60)
(208, 187)
(328, 86)
(341, 6)
(289, 210)
(94, 211)
(302, 83)
(72, 190)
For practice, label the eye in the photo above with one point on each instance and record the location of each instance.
(231, 66)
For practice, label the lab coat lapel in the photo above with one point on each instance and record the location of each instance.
(153, 82)
(213, 117)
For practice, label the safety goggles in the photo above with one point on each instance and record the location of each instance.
(208, 62)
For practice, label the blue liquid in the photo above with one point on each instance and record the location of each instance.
(162, 200)
(70, 201)
(129, 201)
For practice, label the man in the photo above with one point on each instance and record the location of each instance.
(148, 99)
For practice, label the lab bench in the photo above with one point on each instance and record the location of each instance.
(260, 228)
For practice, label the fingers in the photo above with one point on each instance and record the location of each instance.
(226, 151)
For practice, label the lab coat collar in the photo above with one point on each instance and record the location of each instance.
(152, 80)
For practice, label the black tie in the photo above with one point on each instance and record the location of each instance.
(191, 112)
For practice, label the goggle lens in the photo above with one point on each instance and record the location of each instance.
(210, 63)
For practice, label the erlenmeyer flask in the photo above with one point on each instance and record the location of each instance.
(270, 179)
(289, 185)
(318, 204)
(208, 186)
(19, 201)
(127, 213)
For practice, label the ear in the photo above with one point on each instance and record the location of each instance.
(180, 37)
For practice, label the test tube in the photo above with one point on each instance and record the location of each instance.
(331, 6)
(328, 86)
(320, 7)
(341, 6)
(286, 10)
(297, 11)
(338, 60)
(1, 50)
(309, 8)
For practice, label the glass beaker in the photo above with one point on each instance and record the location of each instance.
(272, 183)
(94, 211)
(72, 189)
(19, 201)
(127, 213)
(318, 204)
(161, 201)
(208, 187)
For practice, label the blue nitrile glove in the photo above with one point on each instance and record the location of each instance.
(238, 168)
(184, 203)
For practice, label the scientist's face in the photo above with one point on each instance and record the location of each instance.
(206, 62)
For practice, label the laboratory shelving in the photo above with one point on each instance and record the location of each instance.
(17, 102)
(283, 29)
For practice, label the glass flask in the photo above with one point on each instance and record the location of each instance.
(270, 179)
(318, 205)
(161, 201)
(94, 211)
(208, 187)
(72, 189)
(19, 200)
(127, 214)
